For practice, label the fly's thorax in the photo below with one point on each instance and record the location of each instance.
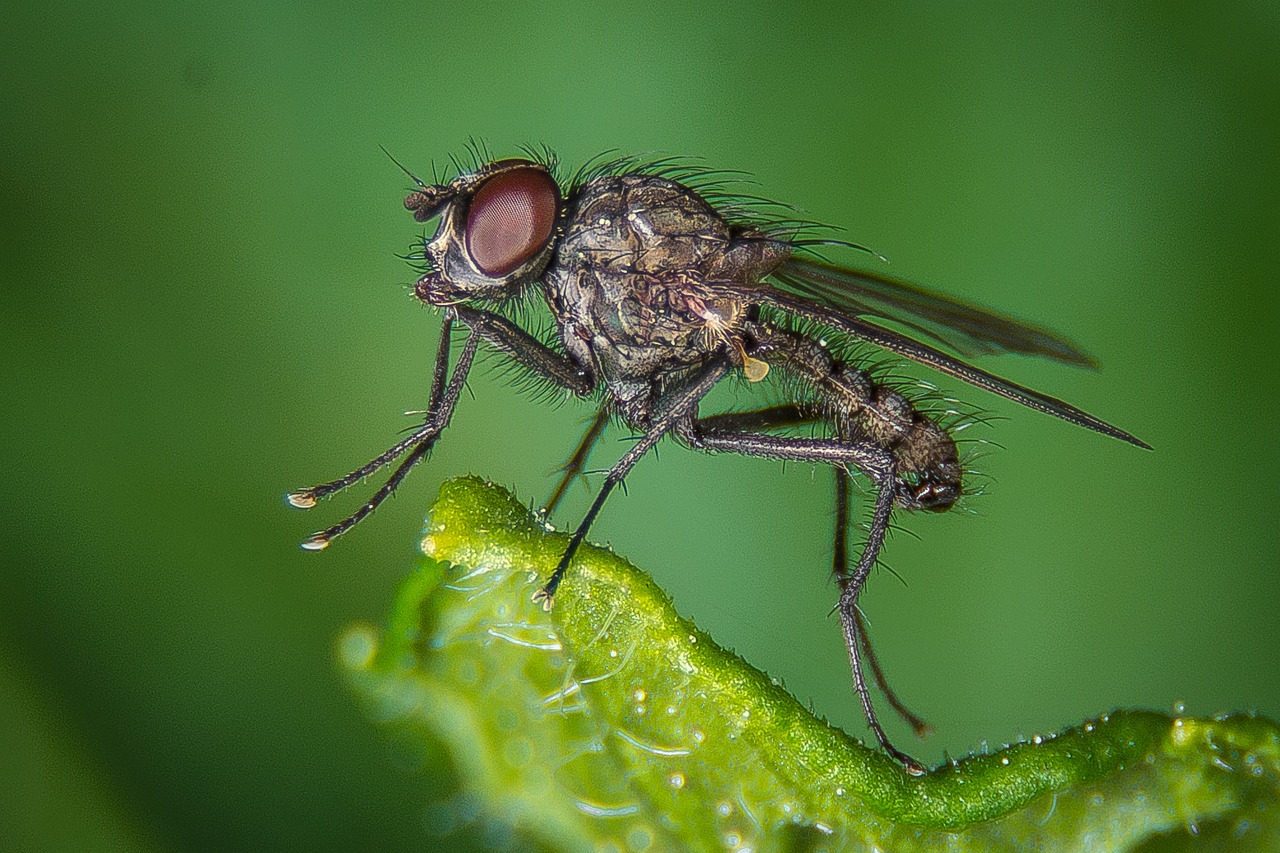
(652, 225)
(635, 325)
(649, 274)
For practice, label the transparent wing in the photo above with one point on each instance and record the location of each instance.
(966, 329)
(838, 319)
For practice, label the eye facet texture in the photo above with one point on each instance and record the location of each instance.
(511, 219)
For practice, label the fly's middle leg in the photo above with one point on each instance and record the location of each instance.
(570, 470)
(672, 409)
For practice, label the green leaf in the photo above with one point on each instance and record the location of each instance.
(612, 723)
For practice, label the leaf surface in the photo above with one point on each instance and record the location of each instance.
(612, 723)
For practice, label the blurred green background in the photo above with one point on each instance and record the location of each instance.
(203, 308)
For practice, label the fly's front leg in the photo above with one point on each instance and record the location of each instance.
(494, 329)
(508, 338)
(306, 498)
(444, 397)
(676, 407)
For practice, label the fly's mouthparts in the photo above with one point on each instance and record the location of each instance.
(431, 290)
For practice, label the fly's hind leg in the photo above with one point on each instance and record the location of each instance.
(842, 453)
(795, 414)
(851, 621)
(840, 567)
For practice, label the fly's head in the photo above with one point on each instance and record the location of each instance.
(497, 231)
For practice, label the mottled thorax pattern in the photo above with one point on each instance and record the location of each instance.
(635, 283)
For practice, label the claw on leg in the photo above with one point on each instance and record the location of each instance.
(315, 542)
(545, 598)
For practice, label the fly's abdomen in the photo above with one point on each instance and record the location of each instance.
(928, 474)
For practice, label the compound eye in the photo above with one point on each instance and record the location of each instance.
(511, 219)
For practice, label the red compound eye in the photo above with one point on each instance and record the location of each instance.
(510, 219)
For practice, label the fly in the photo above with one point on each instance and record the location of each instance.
(661, 285)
